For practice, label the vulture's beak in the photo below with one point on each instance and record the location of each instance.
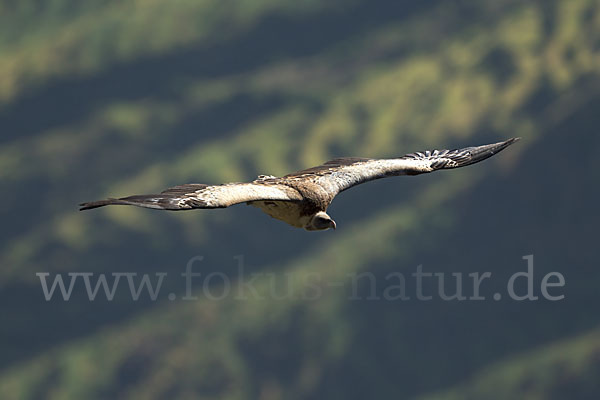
(333, 224)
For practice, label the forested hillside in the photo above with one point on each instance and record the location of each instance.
(111, 98)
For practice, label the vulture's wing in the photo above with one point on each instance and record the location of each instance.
(343, 173)
(186, 197)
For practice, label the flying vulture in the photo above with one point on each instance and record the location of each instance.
(301, 198)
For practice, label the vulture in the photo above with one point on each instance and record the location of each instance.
(301, 198)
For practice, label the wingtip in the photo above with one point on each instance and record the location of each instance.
(506, 142)
(95, 204)
(84, 206)
(497, 147)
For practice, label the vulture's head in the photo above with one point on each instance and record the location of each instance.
(319, 222)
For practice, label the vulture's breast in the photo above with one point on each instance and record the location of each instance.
(287, 211)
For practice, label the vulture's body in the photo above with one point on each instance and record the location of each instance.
(301, 198)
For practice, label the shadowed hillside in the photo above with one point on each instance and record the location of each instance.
(114, 98)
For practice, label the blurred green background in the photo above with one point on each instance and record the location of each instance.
(117, 97)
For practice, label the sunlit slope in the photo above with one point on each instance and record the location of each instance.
(57, 39)
(564, 369)
(100, 104)
(280, 116)
(299, 346)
